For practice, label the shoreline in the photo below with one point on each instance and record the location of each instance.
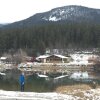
(77, 94)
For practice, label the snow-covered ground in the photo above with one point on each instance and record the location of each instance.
(13, 95)
(92, 94)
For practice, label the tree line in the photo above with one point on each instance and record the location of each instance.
(37, 38)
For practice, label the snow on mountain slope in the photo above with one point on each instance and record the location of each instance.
(62, 14)
(71, 13)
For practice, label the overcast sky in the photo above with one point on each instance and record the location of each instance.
(15, 10)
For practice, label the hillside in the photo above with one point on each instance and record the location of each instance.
(61, 28)
(62, 14)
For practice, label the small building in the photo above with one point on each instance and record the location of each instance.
(3, 59)
(53, 58)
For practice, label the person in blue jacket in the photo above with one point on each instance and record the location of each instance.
(22, 81)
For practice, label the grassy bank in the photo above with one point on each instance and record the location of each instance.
(76, 90)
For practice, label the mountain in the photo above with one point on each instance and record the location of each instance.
(72, 13)
(64, 27)
(4, 24)
(1, 25)
(62, 14)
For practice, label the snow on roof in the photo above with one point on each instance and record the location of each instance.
(42, 56)
(46, 56)
(60, 56)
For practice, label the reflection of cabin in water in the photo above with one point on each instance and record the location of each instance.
(52, 58)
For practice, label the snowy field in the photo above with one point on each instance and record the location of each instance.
(92, 94)
(12, 95)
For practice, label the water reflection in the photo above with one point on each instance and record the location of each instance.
(33, 83)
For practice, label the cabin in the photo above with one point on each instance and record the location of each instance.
(3, 59)
(52, 58)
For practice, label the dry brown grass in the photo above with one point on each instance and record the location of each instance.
(75, 90)
(71, 88)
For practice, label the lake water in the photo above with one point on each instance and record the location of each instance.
(32, 83)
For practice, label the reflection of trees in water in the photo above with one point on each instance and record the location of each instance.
(12, 74)
(32, 83)
(38, 84)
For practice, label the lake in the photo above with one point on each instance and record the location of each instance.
(33, 83)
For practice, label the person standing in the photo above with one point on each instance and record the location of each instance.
(22, 81)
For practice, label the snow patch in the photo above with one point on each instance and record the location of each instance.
(54, 18)
(13, 95)
(80, 75)
(92, 94)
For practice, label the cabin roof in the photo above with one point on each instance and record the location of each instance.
(42, 56)
(46, 56)
(60, 56)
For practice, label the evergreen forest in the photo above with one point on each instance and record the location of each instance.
(36, 38)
